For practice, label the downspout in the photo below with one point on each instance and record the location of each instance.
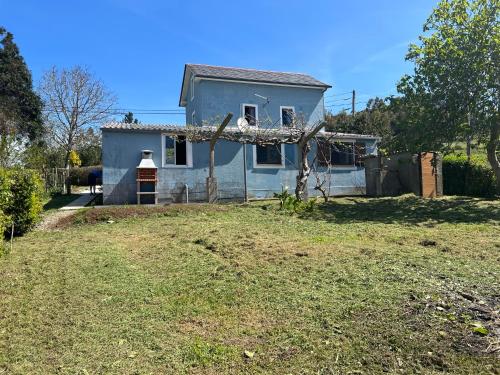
(245, 171)
(187, 193)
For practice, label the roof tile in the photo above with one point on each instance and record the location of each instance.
(253, 75)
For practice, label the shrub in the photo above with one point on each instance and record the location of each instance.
(26, 205)
(461, 177)
(80, 176)
(4, 224)
(291, 204)
(5, 201)
(74, 159)
(21, 192)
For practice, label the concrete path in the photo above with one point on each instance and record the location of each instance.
(79, 202)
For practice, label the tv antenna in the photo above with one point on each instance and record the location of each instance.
(263, 97)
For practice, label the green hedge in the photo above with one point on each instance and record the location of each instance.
(5, 201)
(21, 192)
(80, 176)
(461, 177)
(4, 224)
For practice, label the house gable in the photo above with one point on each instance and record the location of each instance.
(242, 75)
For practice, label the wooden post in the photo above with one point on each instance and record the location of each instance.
(245, 172)
(211, 180)
(68, 181)
(353, 101)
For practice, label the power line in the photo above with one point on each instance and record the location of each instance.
(337, 100)
(124, 109)
(342, 93)
(120, 111)
(341, 105)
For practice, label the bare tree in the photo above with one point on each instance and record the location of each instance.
(321, 167)
(304, 146)
(74, 101)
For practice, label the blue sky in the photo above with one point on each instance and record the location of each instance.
(139, 48)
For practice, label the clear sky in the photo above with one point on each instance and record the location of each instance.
(139, 48)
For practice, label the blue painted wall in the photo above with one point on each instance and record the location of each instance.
(214, 99)
(211, 102)
(122, 153)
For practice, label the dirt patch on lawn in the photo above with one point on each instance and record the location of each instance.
(469, 320)
(51, 220)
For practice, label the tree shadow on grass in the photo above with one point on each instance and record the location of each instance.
(59, 200)
(407, 210)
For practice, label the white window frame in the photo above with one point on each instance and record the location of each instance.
(282, 107)
(189, 154)
(243, 105)
(191, 86)
(269, 166)
(193, 118)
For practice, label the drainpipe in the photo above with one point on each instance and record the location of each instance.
(187, 193)
(245, 170)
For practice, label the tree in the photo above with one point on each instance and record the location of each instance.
(20, 106)
(74, 159)
(74, 101)
(456, 78)
(129, 118)
(304, 146)
(89, 147)
(376, 119)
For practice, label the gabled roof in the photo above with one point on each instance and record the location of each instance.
(246, 75)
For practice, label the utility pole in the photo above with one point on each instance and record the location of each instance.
(353, 101)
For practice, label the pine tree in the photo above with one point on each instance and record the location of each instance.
(129, 119)
(20, 106)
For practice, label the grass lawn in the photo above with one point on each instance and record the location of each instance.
(358, 286)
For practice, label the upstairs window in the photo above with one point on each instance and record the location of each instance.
(287, 116)
(269, 155)
(175, 151)
(250, 114)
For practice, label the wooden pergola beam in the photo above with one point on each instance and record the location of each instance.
(213, 141)
(211, 180)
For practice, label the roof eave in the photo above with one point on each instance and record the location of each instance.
(182, 97)
(322, 86)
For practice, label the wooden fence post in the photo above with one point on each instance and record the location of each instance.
(211, 180)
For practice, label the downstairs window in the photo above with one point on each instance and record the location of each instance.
(339, 154)
(175, 152)
(269, 155)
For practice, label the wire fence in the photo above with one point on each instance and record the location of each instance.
(55, 179)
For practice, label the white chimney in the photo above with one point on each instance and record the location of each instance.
(147, 159)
